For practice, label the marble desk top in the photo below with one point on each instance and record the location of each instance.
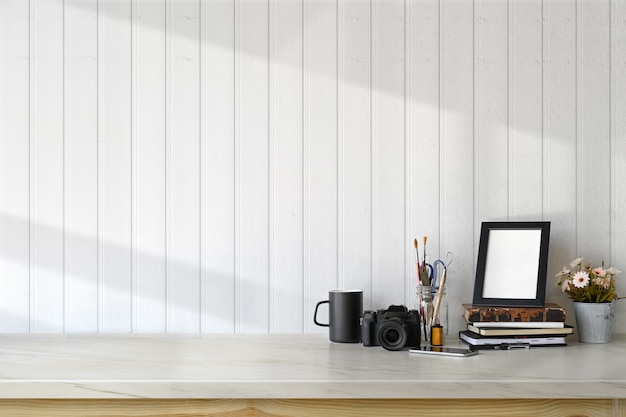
(295, 366)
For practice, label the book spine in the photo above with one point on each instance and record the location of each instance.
(502, 314)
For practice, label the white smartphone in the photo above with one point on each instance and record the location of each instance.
(445, 351)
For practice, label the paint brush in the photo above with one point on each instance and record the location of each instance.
(424, 278)
(419, 288)
(417, 268)
(435, 318)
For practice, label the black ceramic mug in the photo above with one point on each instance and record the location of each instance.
(345, 308)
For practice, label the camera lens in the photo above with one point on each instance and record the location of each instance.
(392, 334)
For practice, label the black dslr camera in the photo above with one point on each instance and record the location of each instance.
(394, 328)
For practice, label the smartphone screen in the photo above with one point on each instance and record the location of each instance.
(445, 351)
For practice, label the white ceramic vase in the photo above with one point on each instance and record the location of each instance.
(594, 321)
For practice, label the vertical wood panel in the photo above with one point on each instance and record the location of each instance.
(457, 142)
(320, 141)
(355, 164)
(82, 174)
(219, 166)
(389, 245)
(560, 135)
(492, 111)
(149, 167)
(14, 166)
(593, 170)
(47, 181)
(525, 101)
(253, 166)
(184, 232)
(423, 134)
(286, 172)
(618, 145)
(168, 162)
(115, 180)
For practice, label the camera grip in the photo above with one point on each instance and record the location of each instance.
(315, 314)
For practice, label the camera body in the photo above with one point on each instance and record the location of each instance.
(394, 328)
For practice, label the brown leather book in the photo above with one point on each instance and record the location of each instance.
(550, 312)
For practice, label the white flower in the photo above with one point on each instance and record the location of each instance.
(565, 285)
(613, 271)
(563, 272)
(580, 279)
(576, 262)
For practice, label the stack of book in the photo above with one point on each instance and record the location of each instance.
(514, 327)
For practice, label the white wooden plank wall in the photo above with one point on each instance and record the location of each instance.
(321, 147)
(457, 142)
(217, 166)
(560, 130)
(217, 145)
(149, 168)
(81, 166)
(15, 131)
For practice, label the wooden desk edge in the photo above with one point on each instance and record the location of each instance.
(313, 407)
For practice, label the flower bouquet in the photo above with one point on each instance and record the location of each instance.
(586, 284)
(593, 292)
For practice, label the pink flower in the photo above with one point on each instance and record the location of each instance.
(602, 282)
(580, 279)
(599, 271)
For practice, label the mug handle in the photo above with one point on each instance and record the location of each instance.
(315, 314)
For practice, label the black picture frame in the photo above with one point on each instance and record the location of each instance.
(512, 264)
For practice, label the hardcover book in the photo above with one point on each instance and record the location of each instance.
(489, 341)
(520, 324)
(550, 312)
(508, 331)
